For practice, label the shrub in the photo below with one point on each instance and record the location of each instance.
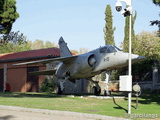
(48, 85)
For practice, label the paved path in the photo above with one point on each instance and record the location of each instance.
(20, 113)
(17, 115)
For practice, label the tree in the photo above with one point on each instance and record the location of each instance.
(156, 2)
(13, 42)
(40, 44)
(48, 44)
(74, 52)
(109, 30)
(83, 50)
(37, 44)
(146, 44)
(8, 15)
(156, 22)
(126, 31)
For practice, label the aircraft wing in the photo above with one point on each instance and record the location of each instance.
(43, 72)
(60, 59)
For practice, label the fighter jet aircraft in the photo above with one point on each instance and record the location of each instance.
(85, 65)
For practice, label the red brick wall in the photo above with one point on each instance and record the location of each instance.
(17, 76)
(17, 79)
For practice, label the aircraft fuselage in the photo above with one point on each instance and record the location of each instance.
(92, 63)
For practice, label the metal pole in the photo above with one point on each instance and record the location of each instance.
(137, 101)
(130, 62)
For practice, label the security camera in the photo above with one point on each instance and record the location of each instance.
(118, 6)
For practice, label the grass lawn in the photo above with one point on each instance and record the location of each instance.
(148, 104)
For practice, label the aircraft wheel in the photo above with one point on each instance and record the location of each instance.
(107, 93)
(96, 91)
(99, 91)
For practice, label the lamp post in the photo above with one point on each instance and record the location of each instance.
(128, 12)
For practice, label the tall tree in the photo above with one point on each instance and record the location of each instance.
(8, 15)
(109, 30)
(126, 31)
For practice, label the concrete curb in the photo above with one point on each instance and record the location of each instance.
(64, 113)
(105, 97)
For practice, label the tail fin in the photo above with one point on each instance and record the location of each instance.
(64, 50)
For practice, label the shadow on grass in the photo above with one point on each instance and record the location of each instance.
(118, 106)
(148, 99)
(7, 117)
(21, 95)
(34, 94)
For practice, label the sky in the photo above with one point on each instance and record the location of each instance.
(79, 22)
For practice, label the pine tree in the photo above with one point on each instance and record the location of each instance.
(126, 31)
(8, 15)
(109, 30)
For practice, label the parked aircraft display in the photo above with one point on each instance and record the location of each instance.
(85, 65)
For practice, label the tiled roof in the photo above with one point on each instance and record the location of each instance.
(41, 53)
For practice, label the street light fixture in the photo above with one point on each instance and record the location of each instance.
(128, 12)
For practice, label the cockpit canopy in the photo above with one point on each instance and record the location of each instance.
(109, 49)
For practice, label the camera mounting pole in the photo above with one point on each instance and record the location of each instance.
(128, 12)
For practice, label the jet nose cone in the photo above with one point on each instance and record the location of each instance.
(137, 58)
(141, 57)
